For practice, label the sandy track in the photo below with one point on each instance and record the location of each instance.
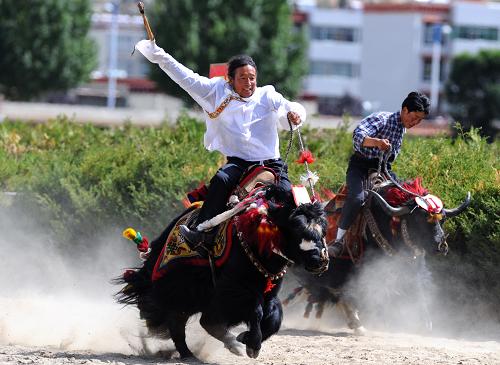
(293, 346)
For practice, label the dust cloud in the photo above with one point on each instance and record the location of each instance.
(400, 295)
(63, 297)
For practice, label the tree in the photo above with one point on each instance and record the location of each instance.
(473, 90)
(44, 46)
(198, 33)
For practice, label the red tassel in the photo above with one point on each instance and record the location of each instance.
(396, 197)
(305, 156)
(269, 286)
(128, 273)
(144, 245)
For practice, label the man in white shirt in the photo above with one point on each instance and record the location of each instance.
(242, 123)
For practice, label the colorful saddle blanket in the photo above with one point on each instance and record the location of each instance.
(177, 252)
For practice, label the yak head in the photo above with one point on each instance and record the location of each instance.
(415, 220)
(303, 229)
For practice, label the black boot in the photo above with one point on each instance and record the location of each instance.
(199, 241)
(336, 249)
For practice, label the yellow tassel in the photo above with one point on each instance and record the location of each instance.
(434, 217)
(130, 234)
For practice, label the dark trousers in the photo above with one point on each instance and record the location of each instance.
(226, 179)
(357, 173)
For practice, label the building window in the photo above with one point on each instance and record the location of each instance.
(429, 34)
(328, 68)
(469, 32)
(340, 34)
(427, 70)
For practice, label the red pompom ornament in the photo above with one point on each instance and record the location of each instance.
(305, 156)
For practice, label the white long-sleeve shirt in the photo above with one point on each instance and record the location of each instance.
(246, 129)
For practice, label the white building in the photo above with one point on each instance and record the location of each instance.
(334, 54)
(130, 31)
(397, 51)
(388, 52)
(476, 26)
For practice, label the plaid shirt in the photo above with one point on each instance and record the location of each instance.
(382, 125)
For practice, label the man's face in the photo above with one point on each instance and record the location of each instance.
(411, 119)
(245, 81)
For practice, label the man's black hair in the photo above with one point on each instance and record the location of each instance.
(239, 61)
(417, 102)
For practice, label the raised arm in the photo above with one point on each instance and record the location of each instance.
(199, 87)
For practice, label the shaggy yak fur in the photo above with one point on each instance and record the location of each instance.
(242, 294)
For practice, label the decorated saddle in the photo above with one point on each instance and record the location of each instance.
(246, 196)
(176, 251)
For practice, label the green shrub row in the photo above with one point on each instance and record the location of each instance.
(80, 180)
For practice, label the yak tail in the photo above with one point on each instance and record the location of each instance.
(137, 284)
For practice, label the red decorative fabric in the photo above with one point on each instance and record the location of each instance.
(198, 194)
(305, 156)
(397, 197)
(326, 194)
(259, 232)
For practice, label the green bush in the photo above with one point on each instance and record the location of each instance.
(81, 178)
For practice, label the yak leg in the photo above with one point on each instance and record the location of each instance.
(253, 337)
(177, 328)
(352, 316)
(273, 316)
(218, 329)
(271, 321)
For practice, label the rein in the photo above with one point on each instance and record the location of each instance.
(382, 162)
(289, 147)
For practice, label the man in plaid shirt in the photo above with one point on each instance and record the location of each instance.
(380, 131)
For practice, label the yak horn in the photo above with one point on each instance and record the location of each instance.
(388, 209)
(450, 213)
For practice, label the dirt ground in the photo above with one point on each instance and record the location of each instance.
(292, 346)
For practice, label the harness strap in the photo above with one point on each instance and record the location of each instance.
(258, 265)
(223, 106)
(212, 267)
(376, 234)
(408, 241)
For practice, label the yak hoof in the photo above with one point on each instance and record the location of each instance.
(360, 331)
(252, 353)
